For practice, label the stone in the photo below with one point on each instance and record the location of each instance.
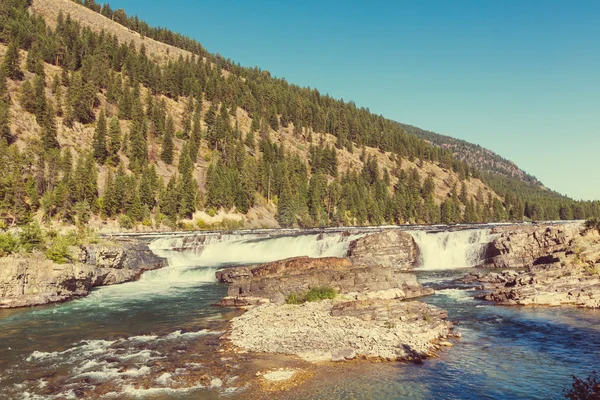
(379, 329)
(562, 267)
(29, 280)
(275, 281)
(393, 248)
(343, 354)
(525, 246)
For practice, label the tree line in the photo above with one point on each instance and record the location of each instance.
(127, 99)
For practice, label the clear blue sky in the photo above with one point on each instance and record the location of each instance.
(521, 78)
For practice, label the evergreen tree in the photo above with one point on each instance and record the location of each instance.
(114, 132)
(12, 64)
(99, 141)
(286, 207)
(167, 146)
(5, 132)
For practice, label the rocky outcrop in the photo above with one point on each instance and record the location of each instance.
(568, 274)
(392, 248)
(551, 285)
(526, 246)
(32, 280)
(120, 262)
(275, 281)
(386, 329)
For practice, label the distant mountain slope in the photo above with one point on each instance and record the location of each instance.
(475, 155)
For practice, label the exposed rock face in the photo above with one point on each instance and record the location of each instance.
(551, 285)
(331, 331)
(569, 274)
(29, 281)
(393, 248)
(275, 281)
(529, 245)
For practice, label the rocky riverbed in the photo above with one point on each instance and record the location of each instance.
(30, 280)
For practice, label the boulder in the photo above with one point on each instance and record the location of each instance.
(393, 248)
(525, 246)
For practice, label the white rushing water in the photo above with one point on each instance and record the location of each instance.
(194, 264)
(451, 249)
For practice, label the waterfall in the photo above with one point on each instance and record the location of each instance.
(452, 249)
(197, 260)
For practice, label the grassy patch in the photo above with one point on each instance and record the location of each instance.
(314, 294)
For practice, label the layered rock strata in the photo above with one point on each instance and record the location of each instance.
(562, 268)
(368, 319)
(525, 246)
(274, 281)
(33, 280)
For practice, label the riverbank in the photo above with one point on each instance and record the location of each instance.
(31, 279)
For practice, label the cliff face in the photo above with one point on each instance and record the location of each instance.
(33, 280)
(562, 267)
(526, 246)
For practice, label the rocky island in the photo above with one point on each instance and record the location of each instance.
(368, 316)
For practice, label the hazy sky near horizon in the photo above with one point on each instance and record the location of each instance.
(521, 78)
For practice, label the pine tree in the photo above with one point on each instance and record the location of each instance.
(12, 63)
(109, 204)
(99, 141)
(286, 207)
(49, 130)
(28, 97)
(114, 132)
(5, 132)
(167, 146)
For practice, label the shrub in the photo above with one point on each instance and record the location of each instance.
(584, 389)
(125, 222)
(59, 249)
(314, 294)
(8, 244)
(294, 298)
(31, 237)
(320, 293)
(203, 224)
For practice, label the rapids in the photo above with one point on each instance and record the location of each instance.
(154, 338)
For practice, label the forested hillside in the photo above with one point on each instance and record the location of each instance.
(483, 159)
(101, 122)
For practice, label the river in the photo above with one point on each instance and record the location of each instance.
(152, 338)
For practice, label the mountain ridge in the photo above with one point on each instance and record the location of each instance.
(199, 134)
